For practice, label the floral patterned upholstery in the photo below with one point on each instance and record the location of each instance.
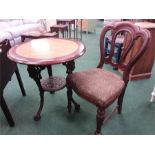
(98, 86)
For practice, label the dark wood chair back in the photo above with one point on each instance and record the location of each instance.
(133, 33)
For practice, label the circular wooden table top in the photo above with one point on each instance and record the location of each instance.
(46, 51)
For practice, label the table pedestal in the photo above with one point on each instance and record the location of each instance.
(50, 84)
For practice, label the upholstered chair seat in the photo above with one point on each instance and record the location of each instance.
(96, 85)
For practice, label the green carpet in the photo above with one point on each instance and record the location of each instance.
(137, 117)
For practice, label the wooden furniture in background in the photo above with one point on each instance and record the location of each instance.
(88, 25)
(69, 22)
(142, 69)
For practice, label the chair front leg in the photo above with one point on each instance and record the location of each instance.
(99, 120)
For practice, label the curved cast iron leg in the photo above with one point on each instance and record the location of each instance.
(37, 117)
(35, 74)
(77, 106)
(99, 120)
(49, 69)
(71, 100)
(70, 67)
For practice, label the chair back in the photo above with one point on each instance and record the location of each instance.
(133, 33)
(7, 67)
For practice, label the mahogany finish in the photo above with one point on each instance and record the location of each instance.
(39, 54)
(46, 51)
(143, 68)
(79, 81)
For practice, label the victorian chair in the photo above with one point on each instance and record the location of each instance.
(101, 87)
(7, 69)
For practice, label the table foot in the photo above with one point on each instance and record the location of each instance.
(35, 74)
(37, 117)
(69, 108)
(77, 106)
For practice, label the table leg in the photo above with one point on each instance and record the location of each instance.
(49, 69)
(70, 67)
(35, 74)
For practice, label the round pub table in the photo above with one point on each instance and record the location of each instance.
(37, 54)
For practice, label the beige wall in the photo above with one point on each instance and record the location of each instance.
(50, 22)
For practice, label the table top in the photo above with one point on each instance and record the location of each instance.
(46, 51)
